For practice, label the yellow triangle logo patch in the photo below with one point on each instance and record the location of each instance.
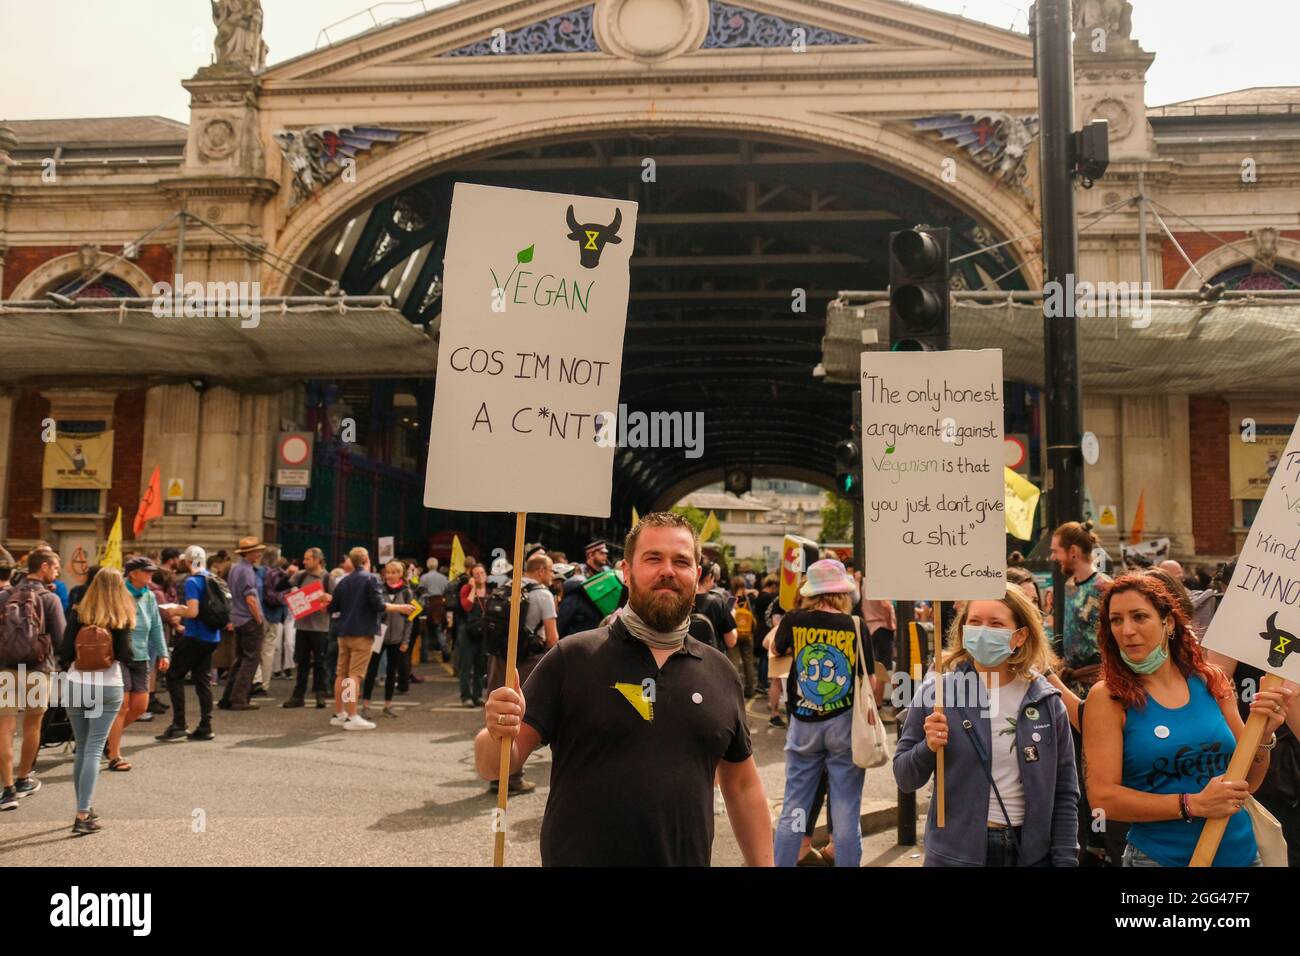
(636, 697)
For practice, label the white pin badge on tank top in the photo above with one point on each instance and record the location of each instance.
(697, 697)
(1161, 731)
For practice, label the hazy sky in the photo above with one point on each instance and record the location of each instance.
(74, 58)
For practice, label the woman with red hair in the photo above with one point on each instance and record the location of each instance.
(1162, 726)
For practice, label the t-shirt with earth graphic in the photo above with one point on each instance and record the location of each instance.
(825, 647)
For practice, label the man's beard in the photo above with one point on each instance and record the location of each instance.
(663, 611)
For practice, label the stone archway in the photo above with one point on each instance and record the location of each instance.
(882, 145)
(68, 267)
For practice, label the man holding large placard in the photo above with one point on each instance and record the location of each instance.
(529, 354)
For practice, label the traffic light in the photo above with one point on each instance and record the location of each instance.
(848, 454)
(848, 468)
(919, 304)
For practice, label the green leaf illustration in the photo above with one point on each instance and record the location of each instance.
(889, 450)
(525, 255)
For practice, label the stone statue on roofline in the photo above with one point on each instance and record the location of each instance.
(1113, 16)
(239, 34)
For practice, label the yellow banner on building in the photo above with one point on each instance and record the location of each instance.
(1251, 463)
(79, 461)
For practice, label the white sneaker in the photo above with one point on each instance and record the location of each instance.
(719, 804)
(338, 720)
(358, 723)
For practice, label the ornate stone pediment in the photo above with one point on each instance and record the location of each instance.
(563, 37)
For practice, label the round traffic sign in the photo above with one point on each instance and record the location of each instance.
(294, 451)
(1014, 452)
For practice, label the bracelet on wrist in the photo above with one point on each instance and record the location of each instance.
(1185, 807)
(1270, 745)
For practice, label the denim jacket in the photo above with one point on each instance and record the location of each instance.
(1049, 834)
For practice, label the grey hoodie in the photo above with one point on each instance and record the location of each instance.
(1049, 835)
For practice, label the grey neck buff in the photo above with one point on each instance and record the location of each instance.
(664, 641)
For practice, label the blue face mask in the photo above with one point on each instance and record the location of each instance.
(990, 646)
(1149, 664)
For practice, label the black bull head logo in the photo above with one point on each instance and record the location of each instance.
(592, 237)
(1280, 643)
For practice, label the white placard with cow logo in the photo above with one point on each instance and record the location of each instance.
(530, 351)
(1258, 621)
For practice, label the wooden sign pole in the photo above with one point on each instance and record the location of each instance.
(1212, 833)
(938, 709)
(507, 744)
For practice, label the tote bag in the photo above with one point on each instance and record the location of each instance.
(870, 746)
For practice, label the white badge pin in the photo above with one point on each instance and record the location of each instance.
(1037, 737)
(1162, 731)
(1032, 714)
(697, 697)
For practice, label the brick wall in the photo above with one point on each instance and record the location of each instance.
(1198, 244)
(26, 461)
(128, 447)
(21, 261)
(1209, 433)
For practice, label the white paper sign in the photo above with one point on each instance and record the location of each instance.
(385, 550)
(933, 476)
(1258, 621)
(530, 351)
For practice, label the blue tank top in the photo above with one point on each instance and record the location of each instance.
(1178, 750)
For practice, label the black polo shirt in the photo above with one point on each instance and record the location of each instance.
(633, 763)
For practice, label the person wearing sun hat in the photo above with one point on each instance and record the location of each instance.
(250, 624)
(824, 638)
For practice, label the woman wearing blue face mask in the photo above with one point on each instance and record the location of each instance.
(1161, 729)
(1011, 789)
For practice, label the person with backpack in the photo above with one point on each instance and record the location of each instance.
(537, 635)
(473, 605)
(397, 637)
(31, 622)
(96, 643)
(146, 644)
(742, 654)
(206, 612)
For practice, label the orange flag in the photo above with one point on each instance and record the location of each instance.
(1139, 519)
(150, 505)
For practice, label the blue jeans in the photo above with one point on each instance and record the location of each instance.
(91, 732)
(1135, 857)
(811, 747)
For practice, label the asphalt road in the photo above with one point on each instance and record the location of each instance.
(283, 788)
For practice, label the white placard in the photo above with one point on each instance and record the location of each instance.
(1258, 621)
(933, 481)
(385, 550)
(530, 351)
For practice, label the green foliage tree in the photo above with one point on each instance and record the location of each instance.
(837, 520)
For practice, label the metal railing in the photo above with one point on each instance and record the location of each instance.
(375, 21)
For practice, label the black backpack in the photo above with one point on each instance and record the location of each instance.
(496, 620)
(701, 628)
(214, 607)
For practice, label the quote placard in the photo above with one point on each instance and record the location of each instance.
(1258, 621)
(932, 474)
(530, 351)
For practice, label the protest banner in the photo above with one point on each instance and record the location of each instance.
(796, 554)
(530, 350)
(79, 460)
(932, 475)
(933, 485)
(530, 358)
(1258, 621)
(385, 550)
(305, 600)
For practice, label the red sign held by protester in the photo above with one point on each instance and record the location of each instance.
(305, 600)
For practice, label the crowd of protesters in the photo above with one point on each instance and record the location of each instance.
(1029, 780)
